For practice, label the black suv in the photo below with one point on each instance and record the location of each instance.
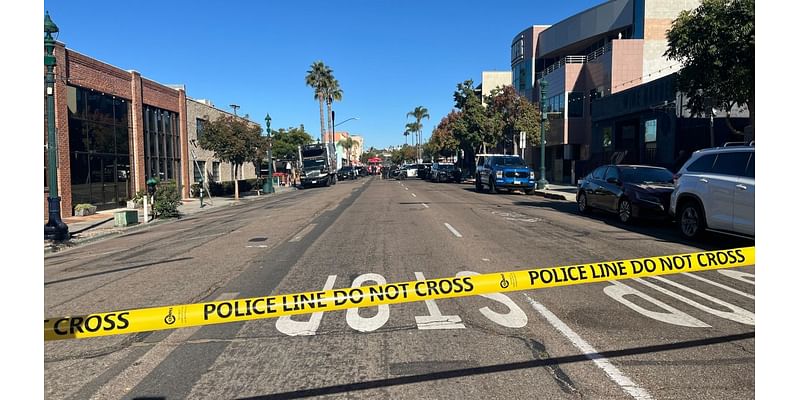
(445, 172)
(346, 173)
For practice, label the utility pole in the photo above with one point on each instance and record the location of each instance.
(235, 107)
(542, 182)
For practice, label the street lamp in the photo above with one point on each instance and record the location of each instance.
(268, 186)
(55, 229)
(542, 182)
(349, 119)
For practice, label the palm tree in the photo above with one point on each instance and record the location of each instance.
(406, 133)
(347, 144)
(319, 78)
(411, 127)
(332, 93)
(419, 113)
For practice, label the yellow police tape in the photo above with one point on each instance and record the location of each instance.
(218, 312)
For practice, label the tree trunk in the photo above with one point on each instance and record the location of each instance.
(236, 181)
(321, 122)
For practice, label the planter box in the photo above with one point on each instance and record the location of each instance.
(126, 217)
(82, 212)
(134, 204)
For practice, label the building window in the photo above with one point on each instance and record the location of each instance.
(162, 144)
(201, 127)
(575, 105)
(555, 104)
(99, 143)
(215, 171)
(199, 171)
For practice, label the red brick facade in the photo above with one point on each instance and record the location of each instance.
(76, 69)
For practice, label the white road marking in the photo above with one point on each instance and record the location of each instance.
(615, 374)
(514, 318)
(736, 313)
(719, 285)
(288, 326)
(260, 246)
(413, 195)
(302, 233)
(425, 205)
(739, 276)
(370, 324)
(406, 188)
(453, 230)
(118, 387)
(436, 320)
(669, 315)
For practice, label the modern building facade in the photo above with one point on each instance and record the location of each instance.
(203, 163)
(606, 49)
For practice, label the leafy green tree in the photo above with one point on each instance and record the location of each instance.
(285, 142)
(715, 42)
(509, 114)
(442, 138)
(320, 78)
(233, 140)
(472, 127)
(403, 154)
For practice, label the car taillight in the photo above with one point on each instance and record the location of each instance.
(676, 177)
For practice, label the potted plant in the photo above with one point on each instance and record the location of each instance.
(84, 209)
(138, 200)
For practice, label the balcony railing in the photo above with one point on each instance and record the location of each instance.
(574, 60)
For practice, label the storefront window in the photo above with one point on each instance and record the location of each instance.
(99, 143)
(162, 155)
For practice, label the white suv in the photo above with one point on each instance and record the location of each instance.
(715, 190)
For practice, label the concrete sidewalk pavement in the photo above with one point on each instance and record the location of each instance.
(558, 192)
(94, 227)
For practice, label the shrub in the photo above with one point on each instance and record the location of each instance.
(83, 206)
(167, 199)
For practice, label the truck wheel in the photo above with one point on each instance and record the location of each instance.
(478, 184)
(492, 186)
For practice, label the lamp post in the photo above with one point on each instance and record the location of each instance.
(268, 186)
(55, 229)
(541, 184)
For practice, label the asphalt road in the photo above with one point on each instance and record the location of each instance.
(686, 336)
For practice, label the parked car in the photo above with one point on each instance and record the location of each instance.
(410, 170)
(424, 171)
(630, 191)
(361, 171)
(715, 191)
(346, 172)
(445, 172)
(503, 171)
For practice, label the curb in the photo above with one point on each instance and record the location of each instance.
(551, 195)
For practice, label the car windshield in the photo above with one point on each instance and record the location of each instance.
(311, 164)
(447, 167)
(646, 175)
(510, 160)
(346, 169)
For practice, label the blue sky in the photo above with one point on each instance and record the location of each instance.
(389, 56)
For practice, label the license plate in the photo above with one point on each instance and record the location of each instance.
(516, 182)
(313, 181)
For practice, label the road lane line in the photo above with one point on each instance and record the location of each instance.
(118, 387)
(425, 205)
(719, 285)
(406, 188)
(413, 195)
(302, 233)
(453, 230)
(591, 353)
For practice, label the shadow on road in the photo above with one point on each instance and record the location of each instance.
(117, 270)
(458, 373)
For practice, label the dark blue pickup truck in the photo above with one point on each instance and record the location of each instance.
(503, 172)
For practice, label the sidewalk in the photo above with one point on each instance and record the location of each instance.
(94, 227)
(559, 192)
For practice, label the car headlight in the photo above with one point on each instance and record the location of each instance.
(499, 174)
